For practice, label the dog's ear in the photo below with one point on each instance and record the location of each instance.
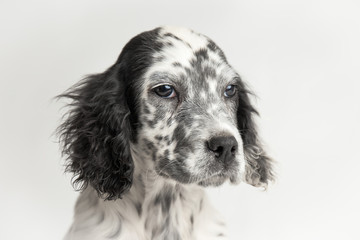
(96, 133)
(259, 169)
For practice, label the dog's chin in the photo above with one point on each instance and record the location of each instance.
(213, 181)
(218, 180)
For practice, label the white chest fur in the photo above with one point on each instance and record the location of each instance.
(156, 210)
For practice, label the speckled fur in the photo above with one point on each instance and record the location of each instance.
(142, 161)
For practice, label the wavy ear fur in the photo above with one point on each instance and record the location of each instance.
(102, 120)
(96, 134)
(259, 166)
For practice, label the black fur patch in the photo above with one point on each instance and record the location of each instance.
(176, 64)
(159, 138)
(202, 54)
(213, 47)
(172, 36)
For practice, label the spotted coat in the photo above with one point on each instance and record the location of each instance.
(145, 137)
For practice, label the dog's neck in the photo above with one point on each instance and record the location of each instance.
(165, 208)
(154, 208)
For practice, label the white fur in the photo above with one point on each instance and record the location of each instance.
(97, 219)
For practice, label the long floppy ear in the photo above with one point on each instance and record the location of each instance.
(259, 169)
(96, 133)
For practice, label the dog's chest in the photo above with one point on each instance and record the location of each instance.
(170, 215)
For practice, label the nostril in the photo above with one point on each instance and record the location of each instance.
(218, 151)
(233, 150)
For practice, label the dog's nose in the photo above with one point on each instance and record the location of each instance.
(224, 147)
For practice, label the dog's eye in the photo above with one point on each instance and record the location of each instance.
(230, 91)
(165, 91)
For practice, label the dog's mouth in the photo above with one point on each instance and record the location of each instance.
(219, 179)
(221, 173)
(216, 179)
(214, 174)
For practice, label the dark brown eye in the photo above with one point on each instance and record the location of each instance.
(165, 91)
(230, 91)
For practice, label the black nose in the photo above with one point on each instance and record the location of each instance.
(224, 147)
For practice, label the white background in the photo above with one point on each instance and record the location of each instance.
(300, 57)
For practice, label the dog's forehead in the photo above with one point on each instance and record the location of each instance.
(182, 45)
(193, 40)
(185, 52)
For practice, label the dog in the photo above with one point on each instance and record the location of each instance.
(144, 138)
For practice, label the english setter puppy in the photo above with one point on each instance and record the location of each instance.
(144, 138)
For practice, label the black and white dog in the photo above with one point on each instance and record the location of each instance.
(144, 138)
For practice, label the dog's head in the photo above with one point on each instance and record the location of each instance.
(172, 101)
